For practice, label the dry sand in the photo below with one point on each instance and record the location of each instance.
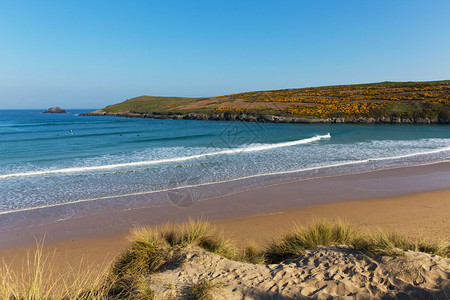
(321, 273)
(422, 214)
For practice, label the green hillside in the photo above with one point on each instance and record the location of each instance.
(376, 100)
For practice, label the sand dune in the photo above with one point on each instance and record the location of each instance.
(322, 273)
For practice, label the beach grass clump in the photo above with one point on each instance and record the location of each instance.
(390, 243)
(153, 249)
(299, 239)
(39, 279)
(325, 233)
(203, 290)
(382, 243)
(199, 233)
(252, 254)
(142, 290)
(437, 248)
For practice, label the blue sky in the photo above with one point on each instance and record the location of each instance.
(88, 54)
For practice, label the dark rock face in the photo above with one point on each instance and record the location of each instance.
(273, 118)
(55, 110)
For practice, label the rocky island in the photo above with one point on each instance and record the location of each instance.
(55, 110)
(373, 103)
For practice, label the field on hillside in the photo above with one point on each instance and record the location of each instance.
(377, 100)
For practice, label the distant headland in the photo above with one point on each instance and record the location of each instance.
(386, 102)
(55, 110)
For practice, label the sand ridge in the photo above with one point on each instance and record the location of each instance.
(411, 215)
(335, 272)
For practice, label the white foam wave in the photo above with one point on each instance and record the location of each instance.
(224, 181)
(250, 148)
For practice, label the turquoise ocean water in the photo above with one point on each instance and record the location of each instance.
(48, 159)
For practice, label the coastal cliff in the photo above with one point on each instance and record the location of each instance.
(375, 103)
(272, 118)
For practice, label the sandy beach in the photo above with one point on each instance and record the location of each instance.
(423, 214)
(257, 214)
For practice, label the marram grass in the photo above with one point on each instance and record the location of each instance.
(38, 280)
(325, 233)
(153, 249)
(203, 290)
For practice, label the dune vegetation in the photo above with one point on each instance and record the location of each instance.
(385, 102)
(155, 250)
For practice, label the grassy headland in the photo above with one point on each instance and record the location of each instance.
(385, 102)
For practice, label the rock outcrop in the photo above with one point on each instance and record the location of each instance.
(273, 118)
(55, 110)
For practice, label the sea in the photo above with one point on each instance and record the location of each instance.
(52, 159)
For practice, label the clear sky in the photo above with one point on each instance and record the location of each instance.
(88, 54)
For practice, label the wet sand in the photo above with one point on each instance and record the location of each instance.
(412, 200)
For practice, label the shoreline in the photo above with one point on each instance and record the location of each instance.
(112, 216)
(281, 175)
